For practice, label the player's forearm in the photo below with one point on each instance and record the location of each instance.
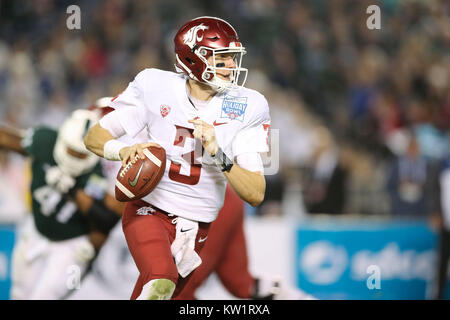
(97, 239)
(100, 215)
(114, 205)
(10, 140)
(250, 186)
(84, 202)
(96, 138)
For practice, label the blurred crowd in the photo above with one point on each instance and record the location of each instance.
(363, 115)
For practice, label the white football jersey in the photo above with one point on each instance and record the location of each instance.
(192, 186)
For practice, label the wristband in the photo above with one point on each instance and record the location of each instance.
(112, 148)
(222, 161)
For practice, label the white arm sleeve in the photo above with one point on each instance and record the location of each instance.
(111, 123)
(250, 161)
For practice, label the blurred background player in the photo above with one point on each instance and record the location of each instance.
(72, 214)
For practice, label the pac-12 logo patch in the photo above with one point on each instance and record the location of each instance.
(165, 109)
(234, 108)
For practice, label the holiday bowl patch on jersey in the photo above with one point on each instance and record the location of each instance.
(234, 108)
(136, 180)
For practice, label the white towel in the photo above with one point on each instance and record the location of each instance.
(183, 247)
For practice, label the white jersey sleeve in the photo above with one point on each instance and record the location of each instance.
(253, 138)
(127, 120)
(133, 95)
(250, 161)
(129, 116)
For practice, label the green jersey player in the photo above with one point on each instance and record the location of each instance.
(55, 214)
(72, 213)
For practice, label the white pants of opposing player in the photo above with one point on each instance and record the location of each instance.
(47, 270)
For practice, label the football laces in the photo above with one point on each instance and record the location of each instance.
(128, 167)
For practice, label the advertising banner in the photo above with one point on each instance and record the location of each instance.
(7, 238)
(357, 259)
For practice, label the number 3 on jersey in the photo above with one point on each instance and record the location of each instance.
(195, 166)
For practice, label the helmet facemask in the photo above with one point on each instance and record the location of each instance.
(210, 75)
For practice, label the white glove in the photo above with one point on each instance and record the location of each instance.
(183, 247)
(59, 180)
(83, 251)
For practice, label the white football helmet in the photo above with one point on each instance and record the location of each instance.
(70, 152)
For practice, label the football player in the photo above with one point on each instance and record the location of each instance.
(225, 252)
(71, 213)
(213, 130)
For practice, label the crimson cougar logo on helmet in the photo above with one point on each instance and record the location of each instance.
(196, 45)
(191, 37)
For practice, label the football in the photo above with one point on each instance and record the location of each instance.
(136, 180)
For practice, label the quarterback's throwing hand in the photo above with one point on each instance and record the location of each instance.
(205, 132)
(129, 153)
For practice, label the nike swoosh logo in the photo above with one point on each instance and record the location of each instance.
(134, 182)
(185, 230)
(202, 239)
(219, 123)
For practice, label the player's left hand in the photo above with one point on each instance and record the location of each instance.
(205, 132)
(129, 153)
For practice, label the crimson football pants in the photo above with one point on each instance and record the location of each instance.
(225, 253)
(149, 237)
